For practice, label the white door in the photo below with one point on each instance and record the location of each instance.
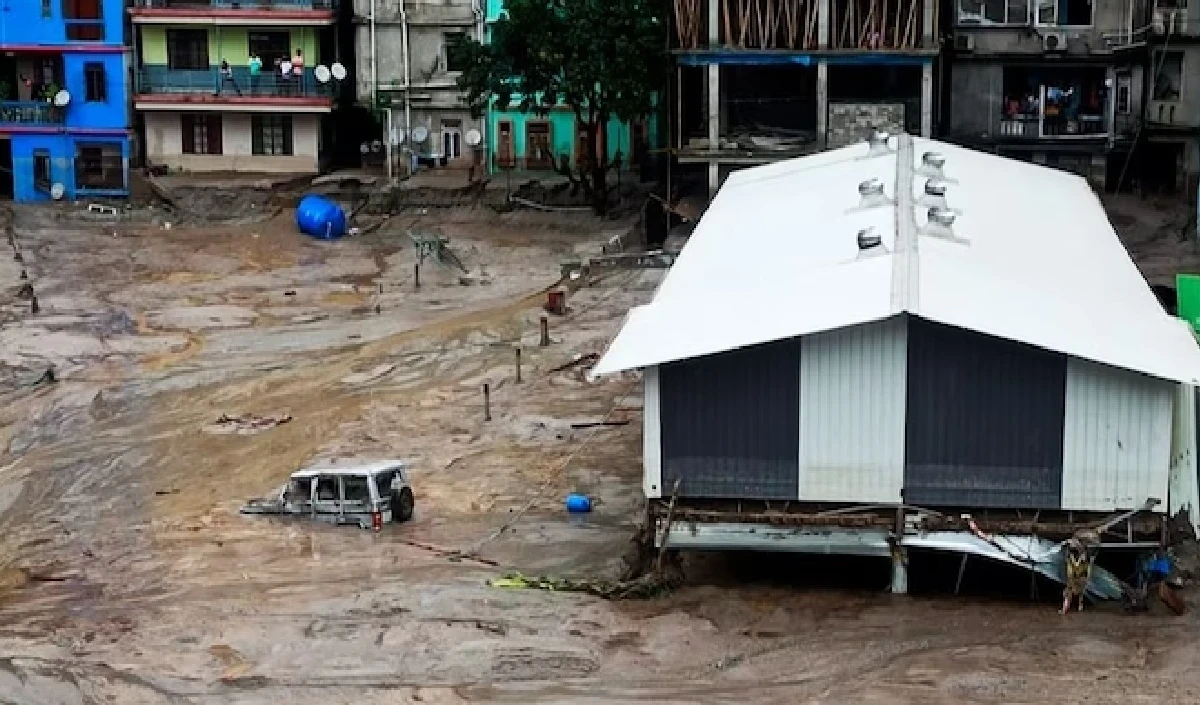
(451, 143)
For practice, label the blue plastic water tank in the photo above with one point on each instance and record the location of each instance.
(578, 503)
(320, 217)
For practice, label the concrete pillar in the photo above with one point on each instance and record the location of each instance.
(927, 100)
(822, 102)
(714, 125)
(928, 8)
(899, 571)
(823, 23)
(714, 98)
(714, 24)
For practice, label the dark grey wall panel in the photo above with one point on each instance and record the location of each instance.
(731, 423)
(984, 422)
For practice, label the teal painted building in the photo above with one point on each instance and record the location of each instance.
(530, 142)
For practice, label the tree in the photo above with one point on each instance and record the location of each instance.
(599, 58)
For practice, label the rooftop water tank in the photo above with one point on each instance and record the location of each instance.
(319, 217)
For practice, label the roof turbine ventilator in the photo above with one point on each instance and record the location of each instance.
(870, 243)
(934, 196)
(931, 166)
(940, 224)
(872, 194)
(877, 144)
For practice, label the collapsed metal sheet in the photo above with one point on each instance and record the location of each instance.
(1023, 551)
(1030, 552)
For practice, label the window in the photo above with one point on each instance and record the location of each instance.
(1168, 75)
(270, 46)
(96, 90)
(327, 489)
(271, 134)
(201, 133)
(187, 49)
(299, 491)
(455, 45)
(383, 483)
(537, 146)
(993, 12)
(356, 488)
(99, 166)
(1124, 94)
(83, 20)
(41, 169)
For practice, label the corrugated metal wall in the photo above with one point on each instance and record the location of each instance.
(1183, 490)
(984, 423)
(1116, 438)
(852, 391)
(730, 423)
(651, 435)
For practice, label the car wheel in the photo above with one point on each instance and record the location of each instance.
(402, 505)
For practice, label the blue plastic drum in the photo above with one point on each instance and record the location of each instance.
(319, 217)
(579, 503)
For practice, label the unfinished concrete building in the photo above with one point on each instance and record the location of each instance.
(1057, 83)
(409, 63)
(933, 378)
(760, 80)
(1169, 156)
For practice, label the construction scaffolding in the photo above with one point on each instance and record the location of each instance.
(750, 24)
(876, 24)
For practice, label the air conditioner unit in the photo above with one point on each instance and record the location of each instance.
(1054, 41)
(1161, 112)
(964, 42)
(1169, 20)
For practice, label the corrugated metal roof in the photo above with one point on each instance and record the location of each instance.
(1034, 260)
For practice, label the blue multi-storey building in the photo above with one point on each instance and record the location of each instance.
(64, 112)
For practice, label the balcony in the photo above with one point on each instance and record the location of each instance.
(290, 12)
(159, 85)
(235, 4)
(29, 113)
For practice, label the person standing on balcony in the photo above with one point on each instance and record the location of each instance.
(227, 77)
(284, 75)
(298, 69)
(255, 67)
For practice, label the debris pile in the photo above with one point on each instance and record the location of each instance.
(246, 424)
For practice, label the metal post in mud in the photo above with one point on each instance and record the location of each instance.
(517, 349)
(487, 402)
(962, 568)
(33, 304)
(417, 275)
(544, 322)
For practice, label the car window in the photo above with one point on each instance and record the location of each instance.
(357, 488)
(383, 483)
(327, 490)
(299, 490)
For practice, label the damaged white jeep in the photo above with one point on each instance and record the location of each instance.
(368, 494)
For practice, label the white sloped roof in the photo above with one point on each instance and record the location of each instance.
(1034, 260)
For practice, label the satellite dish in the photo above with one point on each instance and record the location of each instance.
(338, 71)
(420, 133)
(322, 73)
(58, 190)
(365, 147)
(376, 146)
(62, 98)
(474, 138)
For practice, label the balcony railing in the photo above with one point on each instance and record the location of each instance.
(29, 112)
(236, 4)
(1038, 127)
(161, 80)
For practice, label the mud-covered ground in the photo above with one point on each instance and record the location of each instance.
(127, 575)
